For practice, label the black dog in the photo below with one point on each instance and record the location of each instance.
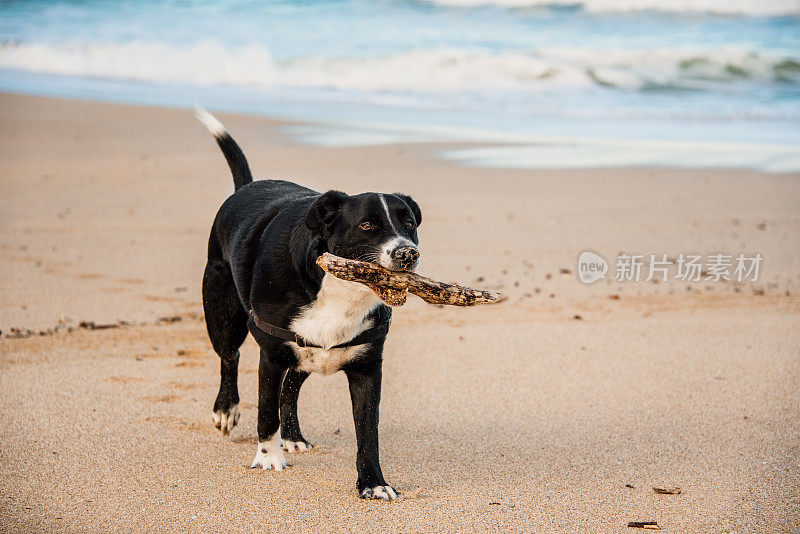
(262, 277)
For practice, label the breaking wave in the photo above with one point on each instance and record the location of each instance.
(419, 71)
(722, 7)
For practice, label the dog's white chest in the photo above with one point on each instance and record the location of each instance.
(336, 316)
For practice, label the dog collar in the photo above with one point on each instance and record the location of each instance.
(369, 335)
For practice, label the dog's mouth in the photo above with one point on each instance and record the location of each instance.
(391, 296)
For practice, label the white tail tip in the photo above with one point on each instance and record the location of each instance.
(210, 122)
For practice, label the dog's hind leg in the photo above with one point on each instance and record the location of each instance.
(293, 440)
(226, 322)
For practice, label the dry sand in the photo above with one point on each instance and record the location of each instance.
(513, 417)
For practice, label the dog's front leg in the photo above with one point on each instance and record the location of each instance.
(293, 440)
(365, 394)
(269, 454)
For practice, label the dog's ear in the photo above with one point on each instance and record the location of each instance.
(324, 211)
(412, 205)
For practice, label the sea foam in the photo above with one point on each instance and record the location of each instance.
(725, 7)
(421, 71)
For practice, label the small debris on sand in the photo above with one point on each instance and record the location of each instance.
(667, 491)
(171, 319)
(91, 325)
(647, 525)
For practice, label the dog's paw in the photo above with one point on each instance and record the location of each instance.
(225, 420)
(269, 457)
(384, 493)
(296, 446)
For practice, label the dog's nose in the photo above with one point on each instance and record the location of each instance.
(406, 257)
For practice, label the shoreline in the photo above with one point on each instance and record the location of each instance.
(528, 141)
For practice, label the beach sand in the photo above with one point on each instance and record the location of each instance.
(530, 415)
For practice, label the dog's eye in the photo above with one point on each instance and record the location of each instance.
(410, 225)
(366, 226)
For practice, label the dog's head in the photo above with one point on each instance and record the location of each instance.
(375, 227)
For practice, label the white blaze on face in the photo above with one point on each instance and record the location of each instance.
(386, 210)
(394, 242)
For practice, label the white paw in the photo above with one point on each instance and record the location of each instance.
(269, 455)
(225, 421)
(296, 446)
(384, 493)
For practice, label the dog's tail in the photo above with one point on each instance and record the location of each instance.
(236, 160)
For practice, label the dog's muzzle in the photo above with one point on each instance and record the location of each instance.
(406, 258)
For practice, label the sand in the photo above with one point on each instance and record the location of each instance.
(530, 415)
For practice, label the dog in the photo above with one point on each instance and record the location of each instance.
(262, 278)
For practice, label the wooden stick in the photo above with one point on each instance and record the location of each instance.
(392, 286)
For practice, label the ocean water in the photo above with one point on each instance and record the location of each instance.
(564, 83)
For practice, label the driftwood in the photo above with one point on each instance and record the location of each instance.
(393, 286)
